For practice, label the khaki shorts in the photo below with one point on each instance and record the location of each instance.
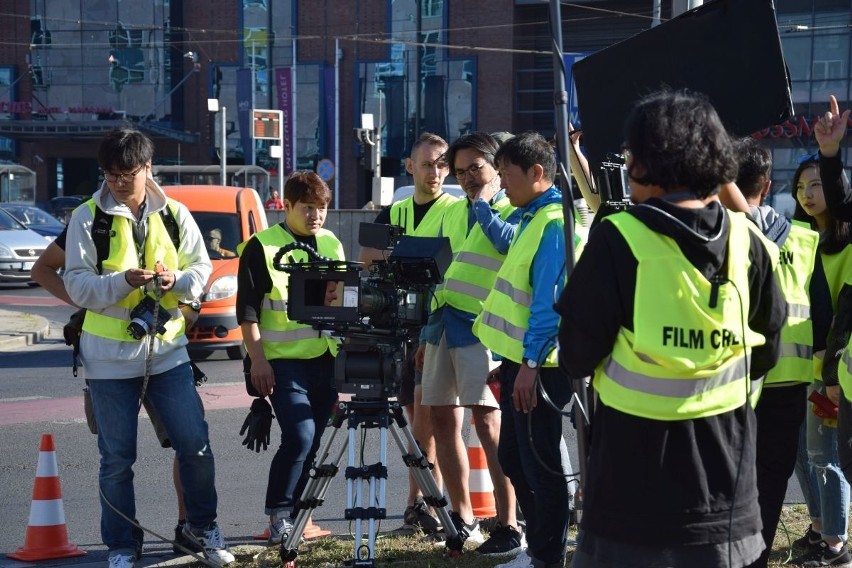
(456, 377)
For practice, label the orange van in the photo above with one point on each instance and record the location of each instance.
(227, 216)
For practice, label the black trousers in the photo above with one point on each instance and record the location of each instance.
(780, 412)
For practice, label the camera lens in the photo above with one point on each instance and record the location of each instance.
(137, 328)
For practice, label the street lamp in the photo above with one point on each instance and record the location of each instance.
(213, 106)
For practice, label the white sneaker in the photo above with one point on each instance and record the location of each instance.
(212, 542)
(522, 560)
(121, 561)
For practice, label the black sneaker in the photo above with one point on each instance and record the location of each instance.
(504, 540)
(471, 531)
(183, 541)
(824, 556)
(417, 517)
(810, 541)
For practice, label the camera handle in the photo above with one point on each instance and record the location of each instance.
(317, 261)
(365, 484)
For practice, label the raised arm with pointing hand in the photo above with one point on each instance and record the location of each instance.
(831, 129)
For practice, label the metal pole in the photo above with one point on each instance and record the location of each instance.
(560, 100)
(337, 58)
(253, 104)
(295, 108)
(223, 158)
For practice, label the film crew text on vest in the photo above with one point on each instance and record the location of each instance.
(694, 338)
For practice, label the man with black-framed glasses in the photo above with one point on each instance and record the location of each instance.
(132, 342)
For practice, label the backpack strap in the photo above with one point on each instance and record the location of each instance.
(102, 231)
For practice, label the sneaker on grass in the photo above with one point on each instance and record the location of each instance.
(212, 543)
(824, 556)
(279, 531)
(504, 540)
(418, 517)
(180, 539)
(810, 540)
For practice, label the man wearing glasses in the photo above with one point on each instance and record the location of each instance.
(456, 364)
(130, 295)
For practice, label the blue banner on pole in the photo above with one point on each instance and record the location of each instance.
(573, 112)
(244, 114)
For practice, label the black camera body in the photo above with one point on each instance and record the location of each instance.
(377, 313)
(142, 319)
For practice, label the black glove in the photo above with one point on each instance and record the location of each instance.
(198, 375)
(257, 425)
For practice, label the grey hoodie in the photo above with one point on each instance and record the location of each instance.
(105, 358)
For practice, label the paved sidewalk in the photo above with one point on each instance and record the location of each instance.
(20, 329)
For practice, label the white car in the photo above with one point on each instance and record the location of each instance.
(19, 249)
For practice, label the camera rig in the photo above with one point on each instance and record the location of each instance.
(613, 185)
(377, 314)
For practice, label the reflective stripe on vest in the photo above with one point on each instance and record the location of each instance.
(684, 359)
(793, 274)
(282, 338)
(505, 315)
(111, 322)
(474, 269)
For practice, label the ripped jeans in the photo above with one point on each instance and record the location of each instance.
(823, 484)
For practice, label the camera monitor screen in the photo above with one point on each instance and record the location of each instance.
(323, 296)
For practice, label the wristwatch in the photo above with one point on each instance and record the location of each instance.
(531, 363)
(195, 306)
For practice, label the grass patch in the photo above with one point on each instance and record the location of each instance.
(412, 551)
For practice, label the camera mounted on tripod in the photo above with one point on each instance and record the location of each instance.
(377, 313)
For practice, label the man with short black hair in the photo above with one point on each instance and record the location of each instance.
(140, 284)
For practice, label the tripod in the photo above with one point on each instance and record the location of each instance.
(365, 484)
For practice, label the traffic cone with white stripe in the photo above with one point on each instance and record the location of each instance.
(479, 480)
(47, 535)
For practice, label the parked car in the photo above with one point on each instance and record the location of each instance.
(61, 207)
(19, 249)
(227, 216)
(35, 219)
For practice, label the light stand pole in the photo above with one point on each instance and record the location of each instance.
(213, 106)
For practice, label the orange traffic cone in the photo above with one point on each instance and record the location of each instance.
(47, 536)
(311, 531)
(479, 480)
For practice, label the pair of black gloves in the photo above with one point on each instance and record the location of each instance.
(257, 425)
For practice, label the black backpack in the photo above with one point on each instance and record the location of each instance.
(102, 231)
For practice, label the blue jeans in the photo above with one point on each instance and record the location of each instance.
(541, 488)
(826, 490)
(302, 401)
(115, 404)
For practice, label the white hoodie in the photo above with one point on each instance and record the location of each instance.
(105, 358)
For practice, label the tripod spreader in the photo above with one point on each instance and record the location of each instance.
(365, 483)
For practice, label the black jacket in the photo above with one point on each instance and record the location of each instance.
(651, 482)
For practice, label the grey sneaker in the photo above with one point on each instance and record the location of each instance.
(119, 560)
(279, 531)
(212, 543)
(417, 516)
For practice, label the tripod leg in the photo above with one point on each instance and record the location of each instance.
(421, 469)
(312, 496)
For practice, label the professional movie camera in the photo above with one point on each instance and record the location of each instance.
(375, 313)
(613, 185)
